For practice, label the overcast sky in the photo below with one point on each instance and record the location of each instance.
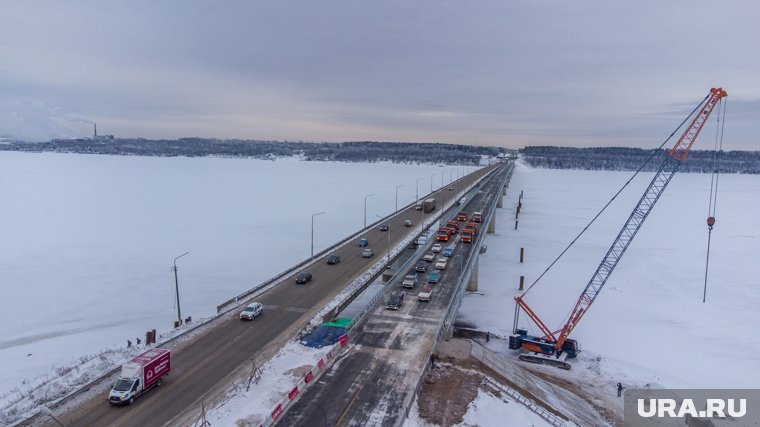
(509, 73)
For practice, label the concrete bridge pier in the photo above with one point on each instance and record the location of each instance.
(492, 224)
(500, 202)
(473, 285)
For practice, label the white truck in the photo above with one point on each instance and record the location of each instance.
(140, 375)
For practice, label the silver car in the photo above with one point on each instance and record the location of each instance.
(252, 311)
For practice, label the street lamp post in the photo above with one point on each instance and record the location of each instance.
(397, 187)
(417, 193)
(389, 241)
(312, 232)
(365, 208)
(176, 288)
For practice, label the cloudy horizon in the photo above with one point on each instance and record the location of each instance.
(508, 74)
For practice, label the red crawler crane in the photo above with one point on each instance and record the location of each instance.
(551, 343)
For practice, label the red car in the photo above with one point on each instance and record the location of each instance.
(462, 216)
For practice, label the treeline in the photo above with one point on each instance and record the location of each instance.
(359, 151)
(625, 159)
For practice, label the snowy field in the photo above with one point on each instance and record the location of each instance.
(88, 241)
(649, 325)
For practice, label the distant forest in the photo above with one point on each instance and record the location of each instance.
(360, 151)
(625, 159)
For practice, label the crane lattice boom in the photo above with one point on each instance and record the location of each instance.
(653, 192)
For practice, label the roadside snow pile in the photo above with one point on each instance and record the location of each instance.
(252, 400)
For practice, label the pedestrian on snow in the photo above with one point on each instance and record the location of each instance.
(619, 388)
(138, 341)
(488, 336)
(432, 360)
(129, 343)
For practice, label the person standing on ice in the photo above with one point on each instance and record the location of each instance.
(619, 388)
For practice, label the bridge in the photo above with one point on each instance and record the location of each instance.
(207, 360)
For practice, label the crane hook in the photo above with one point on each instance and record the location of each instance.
(710, 222)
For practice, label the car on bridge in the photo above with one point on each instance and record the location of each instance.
(408, 223)
(363, 242)
(436, 248)
(448, 251)
(409, 281)
(252, 311)
(441, 263)
(425, 293)
(434, 276)
(430, 256)
(462, 216)
(303, 278)
(368, 253)
(333, 259)
(395, 301)
(385, 227)
(421, 266)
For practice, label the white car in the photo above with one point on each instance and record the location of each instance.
(424, 294)
(441, 264)
(428, 256)
(252, 311)
(437, 247)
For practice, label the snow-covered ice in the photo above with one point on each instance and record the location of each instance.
(649, 325)
(88, 240)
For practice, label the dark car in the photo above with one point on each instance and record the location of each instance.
(395, 301)
(421, 266)
(333, 259)
(303, 277)
(363, 242)
(384, 227)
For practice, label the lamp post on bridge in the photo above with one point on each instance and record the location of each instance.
(365, 208)
(176, 288)
(312, 232)
(397, 187)
(388, 263)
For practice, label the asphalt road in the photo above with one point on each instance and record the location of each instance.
(372, 380)
(203, 369)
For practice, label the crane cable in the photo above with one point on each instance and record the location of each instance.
(717, 149)
(654, 152)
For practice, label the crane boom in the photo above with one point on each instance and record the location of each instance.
(639, 214)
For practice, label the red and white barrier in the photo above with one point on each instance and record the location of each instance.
(322, 365)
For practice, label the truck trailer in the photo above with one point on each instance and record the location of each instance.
(428, 205)
(140, 375)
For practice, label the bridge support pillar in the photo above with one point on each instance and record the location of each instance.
(492, 224)
(473, 285)
(500, 202)
(504, 193)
